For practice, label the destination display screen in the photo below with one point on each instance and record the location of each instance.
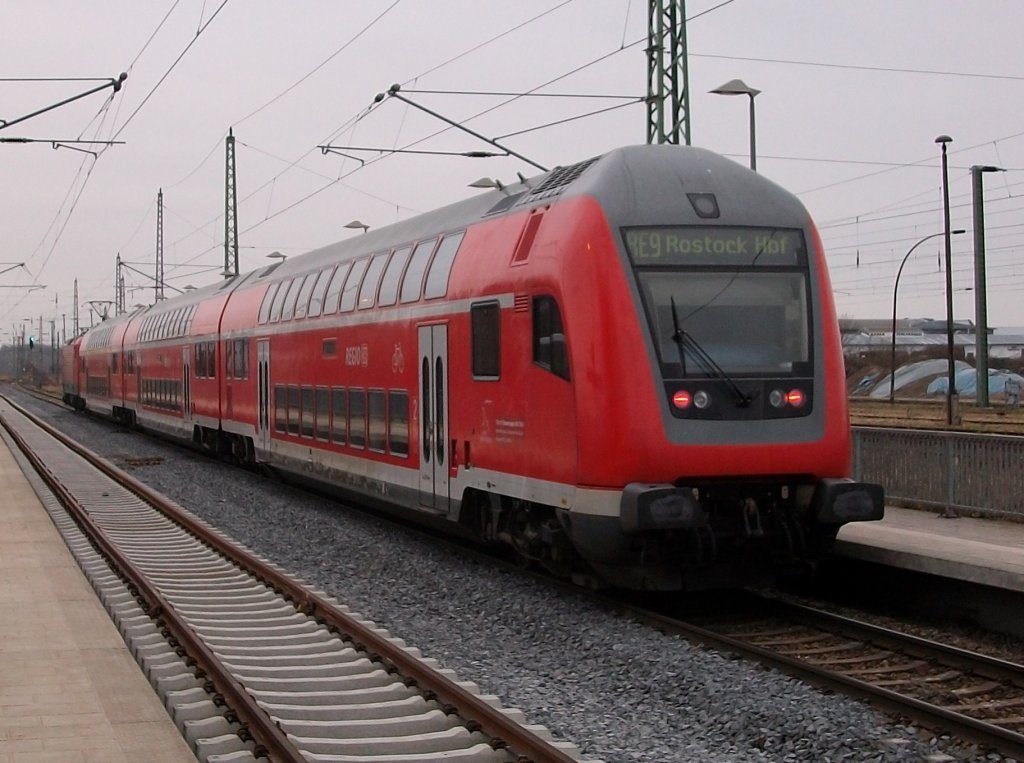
(715, 246)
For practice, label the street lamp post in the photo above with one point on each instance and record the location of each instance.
(951, 396)
(896, 286)
(739, 87)
(980, 294)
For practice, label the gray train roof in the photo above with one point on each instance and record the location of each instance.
(636, 185)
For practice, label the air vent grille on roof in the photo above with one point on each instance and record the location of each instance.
(559, 178)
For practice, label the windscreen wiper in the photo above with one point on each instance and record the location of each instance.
(686, 342)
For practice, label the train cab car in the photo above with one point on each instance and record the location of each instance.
(627, 370)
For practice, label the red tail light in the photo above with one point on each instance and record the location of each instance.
(795, 398)
(682, 399)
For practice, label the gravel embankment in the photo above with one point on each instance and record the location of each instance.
(621, 691)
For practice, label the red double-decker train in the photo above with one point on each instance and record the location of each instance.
(628, 368)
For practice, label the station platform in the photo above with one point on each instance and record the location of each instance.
(988, 552)
(70, 691)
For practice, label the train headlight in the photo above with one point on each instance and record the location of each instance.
(682, 399)
(701, 399)
(777, 398)
(796, 398)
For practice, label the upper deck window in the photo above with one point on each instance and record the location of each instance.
(368, 292)
(268, 301)
(303, 301)
(293, 295)
(389, 285)
(412, 283)
(279, 300)
(334, 290)
(355, 277)
(441, 266)
(316, 298)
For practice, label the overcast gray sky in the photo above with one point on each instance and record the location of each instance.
(854, 94)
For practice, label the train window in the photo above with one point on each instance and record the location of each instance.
(357, 418)
(485, 329)
(549, 349)
(279, 300)
(206, 360)
(267, 303)
(229, 359)
(113, 363)
(294, 410)
(378, 429)
(323, 413)
(241, 358)
(398, 422)
(308, 411)
(441, 266)
(355, 276)
(316, 297)
(339, 416)
(389, 285)
(303, 301)
(368, 292)
(412, 282)
(280, 408)
(294, 291)
(329, 347)
(334, 290)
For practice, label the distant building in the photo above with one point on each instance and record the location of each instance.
(861, 335)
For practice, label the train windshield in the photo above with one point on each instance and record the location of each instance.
(738, 296)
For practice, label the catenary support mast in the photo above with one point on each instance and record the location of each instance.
(230, 211)
(668, 91)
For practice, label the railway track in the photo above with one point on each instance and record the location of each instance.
(249, 662)
(969, 695)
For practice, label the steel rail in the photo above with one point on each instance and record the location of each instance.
(1007, 742)
(269, 738)
(504, 732)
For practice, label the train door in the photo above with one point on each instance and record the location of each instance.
(186, 385)
(263, 391)
(433, 429)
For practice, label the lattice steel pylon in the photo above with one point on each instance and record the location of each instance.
(230, 211)
(158, 289)
(118, 287)
(668, 91)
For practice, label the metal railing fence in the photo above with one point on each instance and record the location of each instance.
(955, 471)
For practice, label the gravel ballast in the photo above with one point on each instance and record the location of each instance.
(619, 690)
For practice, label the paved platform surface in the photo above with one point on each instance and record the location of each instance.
(985, 551)
(70, 691)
